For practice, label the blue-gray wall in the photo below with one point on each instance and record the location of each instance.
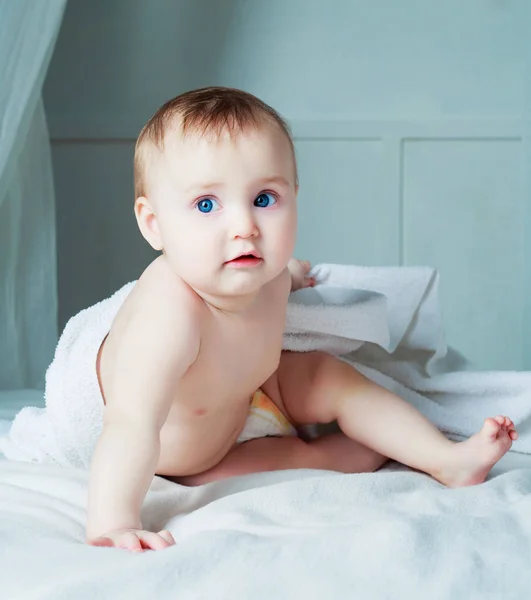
(412, 122)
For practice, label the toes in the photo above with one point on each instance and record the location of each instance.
(491, 427)
(152, 541)
(131, 542)
(166, 535)
(505, 422)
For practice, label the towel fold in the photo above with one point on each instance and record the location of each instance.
(67, 429)
(385, 321)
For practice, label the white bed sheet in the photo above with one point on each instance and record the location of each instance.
(302, 534)
(306, 534)
(292, 534)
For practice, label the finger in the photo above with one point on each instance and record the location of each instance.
(128, 541)
(166, 535)
(500, 419)
(152, 541)
(513, 435)
(306, 265)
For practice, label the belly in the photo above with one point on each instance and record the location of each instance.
(193, 444)
(210, 412)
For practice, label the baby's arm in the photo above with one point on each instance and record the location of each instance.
(152, 357)
(299, 270)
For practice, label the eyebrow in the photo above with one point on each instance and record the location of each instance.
(277, 179)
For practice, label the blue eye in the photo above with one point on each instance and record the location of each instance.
(264, 200)
(206, 205)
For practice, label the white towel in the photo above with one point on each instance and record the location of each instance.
(67, 429)
(386, 321)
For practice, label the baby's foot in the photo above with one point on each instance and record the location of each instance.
(470, 461)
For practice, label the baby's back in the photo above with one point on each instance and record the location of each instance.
(229, 356)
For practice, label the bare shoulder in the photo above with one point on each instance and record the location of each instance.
(160, 288)
(165, 310)
(154, 340)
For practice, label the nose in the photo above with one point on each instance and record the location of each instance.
(244, 225)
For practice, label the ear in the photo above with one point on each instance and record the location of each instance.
(147, 222)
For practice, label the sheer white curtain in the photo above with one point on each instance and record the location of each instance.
(28, 296)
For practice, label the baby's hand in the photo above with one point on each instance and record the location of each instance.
(299, 270)
(135, 540)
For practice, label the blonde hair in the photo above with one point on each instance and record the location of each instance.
(210, 110)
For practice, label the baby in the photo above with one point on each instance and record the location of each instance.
(196, 348)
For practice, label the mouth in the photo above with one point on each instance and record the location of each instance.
(251, 259)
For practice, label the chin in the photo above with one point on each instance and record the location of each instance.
(244, 284)
(240, 289)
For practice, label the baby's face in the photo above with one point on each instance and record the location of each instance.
(217, 200)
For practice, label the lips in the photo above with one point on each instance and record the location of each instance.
(247, 255)
(244, 256)
(248, 259)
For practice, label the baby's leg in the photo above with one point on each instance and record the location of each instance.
(318, 388)
(332, 452)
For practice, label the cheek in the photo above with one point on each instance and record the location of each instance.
(285, 235)
(290, 228)
(196, 243)
(178, 238)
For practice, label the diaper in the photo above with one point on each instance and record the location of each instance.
(265, 419)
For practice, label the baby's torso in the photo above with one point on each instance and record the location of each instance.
(238, 353)
(212, 404)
